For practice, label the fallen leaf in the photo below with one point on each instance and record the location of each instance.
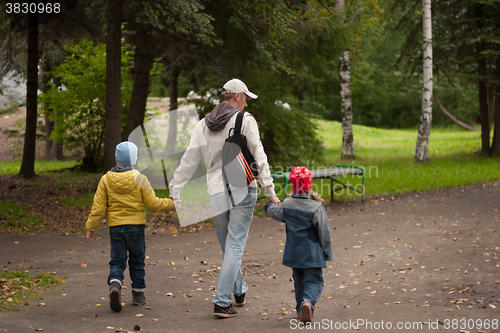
(82, 265)
(95, 315)
(188, 310)
(41, 304)
(137, 328)
(139, 315)
(36, 329)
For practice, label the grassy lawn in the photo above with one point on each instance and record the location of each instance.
(13, 217)
(9, 168)
(388, 157)
(386, 154)
(18, 288)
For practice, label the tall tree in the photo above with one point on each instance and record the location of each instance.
(113, 82)
(172, 121)
(160, 26)
(142, 65)
(345, 96)
(53, 149)
(424, 131)
(28, 162)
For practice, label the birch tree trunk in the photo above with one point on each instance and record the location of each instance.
(424, 131)
(346, 106)
(345, 96)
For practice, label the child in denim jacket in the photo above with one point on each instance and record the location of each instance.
(308, 242)
(120, 195)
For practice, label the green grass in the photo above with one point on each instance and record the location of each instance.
(83, 200)
(388, 157)
(13, 217)
(18, 288)
(10, 168)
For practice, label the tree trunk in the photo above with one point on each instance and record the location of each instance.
(142, 66)
(28, 162)
(449, 115)
(346, 107)
(49, 125)
(345, 95)
(483, 102)
(495, 148)
(53, 149)
(424, 131)
(113, 83)
(491, 104)
(172, 121)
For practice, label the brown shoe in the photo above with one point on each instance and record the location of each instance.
(115, 299)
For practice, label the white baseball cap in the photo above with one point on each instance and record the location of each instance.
(237, 86)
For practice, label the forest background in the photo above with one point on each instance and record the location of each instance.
(286, 51)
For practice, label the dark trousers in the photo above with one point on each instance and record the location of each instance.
(128, 240)
(308, 284)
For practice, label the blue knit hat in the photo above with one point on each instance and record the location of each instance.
(126, 153)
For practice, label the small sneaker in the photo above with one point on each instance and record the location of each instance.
(307, 314)
(115, 302)
(226, 312)
(240, 299)
(138, 298)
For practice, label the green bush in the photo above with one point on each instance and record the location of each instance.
(79, 109)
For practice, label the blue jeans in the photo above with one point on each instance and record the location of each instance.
(232, 228)
(128, 239)
(308, 284)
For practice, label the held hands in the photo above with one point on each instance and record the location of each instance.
(275, 201)
(90, 235)
(177, 204)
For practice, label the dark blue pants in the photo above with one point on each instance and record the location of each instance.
(128, 239)
(308, 284)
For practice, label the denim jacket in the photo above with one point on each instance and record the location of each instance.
(308, 240)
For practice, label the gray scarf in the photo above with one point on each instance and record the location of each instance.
(220, 115)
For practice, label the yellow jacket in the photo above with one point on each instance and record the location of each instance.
(120, 196)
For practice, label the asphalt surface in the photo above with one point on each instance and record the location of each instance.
(421, 262)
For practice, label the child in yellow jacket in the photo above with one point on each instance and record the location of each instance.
(120, 195)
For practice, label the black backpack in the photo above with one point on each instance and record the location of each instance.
(238, 164)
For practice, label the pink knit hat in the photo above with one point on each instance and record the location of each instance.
(301, 180)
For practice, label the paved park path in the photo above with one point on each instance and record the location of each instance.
(421, 262)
